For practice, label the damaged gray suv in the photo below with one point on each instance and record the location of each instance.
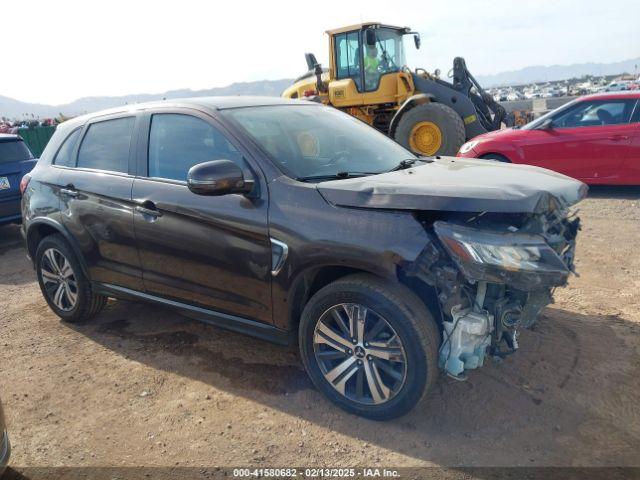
(296, 223)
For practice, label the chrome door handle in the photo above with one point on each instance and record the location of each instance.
(69, 192)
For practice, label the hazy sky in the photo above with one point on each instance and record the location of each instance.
(62, 50)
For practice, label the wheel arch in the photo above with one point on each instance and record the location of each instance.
(41, 228)
(409, 103)
(311, 280)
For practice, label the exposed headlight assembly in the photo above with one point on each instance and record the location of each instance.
(468, 146)
(523, 261)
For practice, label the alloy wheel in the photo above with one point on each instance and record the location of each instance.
(59, 279)
(360, 354)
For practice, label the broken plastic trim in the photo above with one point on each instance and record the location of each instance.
(522, 261)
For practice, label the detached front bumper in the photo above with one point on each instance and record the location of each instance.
(5, 450)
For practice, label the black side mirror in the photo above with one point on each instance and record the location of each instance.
(218, 177)
(311, 61)
(370, 37)
(546, 125)
(416, 40)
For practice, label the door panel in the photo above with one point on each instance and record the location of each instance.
(631, 166)
(586, 153)
(96, 204)
(588, 140)
(97, 210)
(213, 252)
(210, 251)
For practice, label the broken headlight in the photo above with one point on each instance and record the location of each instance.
(523, 261)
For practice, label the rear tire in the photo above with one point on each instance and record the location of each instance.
(451, 130)
(63, 283)
(354, 373)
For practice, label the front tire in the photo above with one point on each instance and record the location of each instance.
(370, 346)
(431, 129)
(62, 282)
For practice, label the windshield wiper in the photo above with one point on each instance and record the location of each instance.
(335, 176)
(409, 162)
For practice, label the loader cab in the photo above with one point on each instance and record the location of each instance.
(367, 64)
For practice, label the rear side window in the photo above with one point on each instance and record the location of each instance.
(106, 145)
(14, 151)
(64, 156)
(177, 142)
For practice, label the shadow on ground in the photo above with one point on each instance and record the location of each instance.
(527, 406)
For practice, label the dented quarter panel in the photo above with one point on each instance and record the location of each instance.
(460, 185)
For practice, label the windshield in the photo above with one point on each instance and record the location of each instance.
(14, 151)
(390, 49)
(314, 141)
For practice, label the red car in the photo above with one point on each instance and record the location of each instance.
(595, 138)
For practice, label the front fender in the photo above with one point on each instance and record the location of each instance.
(512, 152)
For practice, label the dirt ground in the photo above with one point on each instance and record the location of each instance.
(142, 385)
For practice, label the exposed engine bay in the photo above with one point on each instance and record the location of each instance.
(493, 274)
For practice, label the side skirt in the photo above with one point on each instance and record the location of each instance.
(219, 319)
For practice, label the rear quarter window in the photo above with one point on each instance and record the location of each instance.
(64, 157)
(14, 151)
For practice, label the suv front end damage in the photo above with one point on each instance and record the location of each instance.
(493, 274)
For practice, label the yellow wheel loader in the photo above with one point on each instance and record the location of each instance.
(369, 79)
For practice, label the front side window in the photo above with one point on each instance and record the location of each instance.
(348, 57)
(595, 113)
(106, 145)
(386, 56)
(177, 142)
(308, 141)
(64, 157)
(14, 151)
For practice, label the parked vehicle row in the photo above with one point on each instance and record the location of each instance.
(595, 139)
(295, 222)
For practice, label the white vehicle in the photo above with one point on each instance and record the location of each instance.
(617, 86)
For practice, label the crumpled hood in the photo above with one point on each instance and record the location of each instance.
(458, 184)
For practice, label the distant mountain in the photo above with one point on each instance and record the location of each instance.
(542, 73)
(16, 109)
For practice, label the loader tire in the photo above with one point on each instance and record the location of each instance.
(431, 129)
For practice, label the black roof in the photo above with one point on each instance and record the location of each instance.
(221, 103)
(211, 103)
